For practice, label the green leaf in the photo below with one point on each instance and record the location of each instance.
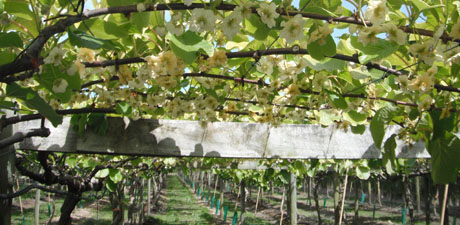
(284, 176)
(82, 39)
(111, 186)
(10, 39)
(377, 126)
(115, 175)
(123, 108)
(326, 64)
(102, 173)
(354, 117)
(445, 158)
(6, 57)
(318, 10)
(337, 100)
(441, 126)
(256, 28)
(34, 101)
(188, 45)
(18, 8)
(256, 108)
(360, 129)
(106, 29)
(71, 161)
(140, 20)
(389, 155)
(363, 172)
(374, 51)
(320, 51)
(82, 124)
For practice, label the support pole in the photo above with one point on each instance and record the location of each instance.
(37, 208)
(343, 197)
(444, 204)
(417, 193)
(149, 196)
(281, 207)
(257, 201)
(293, 199)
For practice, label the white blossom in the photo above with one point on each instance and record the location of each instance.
(60, 85)
(376, 12)
(320, 33)
(395, 34)
(140, 7)
(268, 14)
(72, 70)
(188, 2)
(174, 26)
(55, 56)
(425, 103)
(293, 29)
(369, 34)
(244, 10)
(231, 25)
(265, 65)
(202, 20)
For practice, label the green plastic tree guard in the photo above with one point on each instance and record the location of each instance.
(198, 193)
(403, 216)
(212, 202)
(217, 206)
(225, 212)
(235, 218)
(363, 197)
(325, 202)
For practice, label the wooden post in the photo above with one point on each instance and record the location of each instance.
(343, 197)
(293, 199)
(257, 201)
(379, 197)
(309, 191)
(222, 190)
(149, 191)
(369, 191)
(20, 199)
(243, 202)
(37, 207)
(417, 193)
(444, 203)
(281, 207)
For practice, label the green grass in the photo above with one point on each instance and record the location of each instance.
(182, 207)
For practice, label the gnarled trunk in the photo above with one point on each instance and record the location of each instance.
(70, 201)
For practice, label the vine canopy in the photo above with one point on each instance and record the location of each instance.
(346, 63)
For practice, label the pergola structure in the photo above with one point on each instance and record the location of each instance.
(181, 138)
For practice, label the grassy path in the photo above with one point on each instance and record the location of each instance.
(182, 207)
